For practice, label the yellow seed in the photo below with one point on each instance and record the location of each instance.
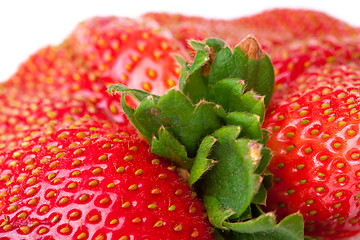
(31, 181)
(336, 205)
(194, 234)
(300, 166)
(55, 219)
(159, 224)
(94, 218)
(23, 215)
(152, 206)
(139, 172)
(312, 212)
(103, 157)
(101, 237)
(114, 221)
(76, 163)
(82, 235)
(133, 187)
(74, 214)
(33, 201)
(178, 192)
(51, 194)
(155, 191)
(60, 155)
(178, 228)
(338, 194)
(7, 227)
(72, 185)
(25, 229)
(44, 209)
(97, 171)
(93, 183)
(78, 152)
(137, 220)
(341, 179)
(104, 201)
(84, 197)
(128, 157)
(43, 231)
(126, 205)
(12, 208)
(80, 135)
(65, 230)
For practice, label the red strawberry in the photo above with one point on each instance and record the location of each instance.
(315, 145)
(299, 56)
(273, 27)
(130, 52)
(91, 180)
(53, 69)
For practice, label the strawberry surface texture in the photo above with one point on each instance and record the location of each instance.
(155, 129)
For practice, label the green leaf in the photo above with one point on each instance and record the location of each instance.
(195, 87)
(265, 159)
(225, 66)
(199, 46)
(216, 44)
(217, 215)
(184, 71)
(188, 123)
(261, 224)
(202, 163)
(262, 74)
(231, 180)
(227, 93)
(260, 196)
(200, 60)
(139, 95)
(257, 73)
(130, 114)
(168, 146)
(265, 228)
(252, 103)
(147, 119)
(249, 123)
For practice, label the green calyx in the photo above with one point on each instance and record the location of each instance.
(211, 127)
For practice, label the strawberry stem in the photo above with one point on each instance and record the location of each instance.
(211, 127)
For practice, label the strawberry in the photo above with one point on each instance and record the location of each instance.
(299, 56)
(127, 51)
(99, 52)
(26, 112)
(314, 141)
(93, 180)
(211, 127)
(274, 27)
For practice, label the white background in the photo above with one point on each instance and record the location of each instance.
(27, 25)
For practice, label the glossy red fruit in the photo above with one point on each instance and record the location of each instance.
(92, 180)
(55, 69)
(300, 56)
(314, 138)
(272, 28)
(26, 112)
(130, 52)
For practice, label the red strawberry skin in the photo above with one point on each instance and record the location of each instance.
(129, 51)
(92, 180)
(275, 27)
(314, 138)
